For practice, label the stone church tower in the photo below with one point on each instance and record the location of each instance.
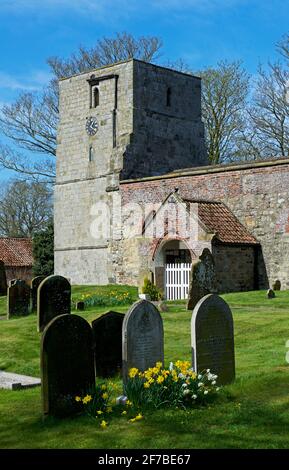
(124, 121)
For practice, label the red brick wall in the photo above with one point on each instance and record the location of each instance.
(257, 195)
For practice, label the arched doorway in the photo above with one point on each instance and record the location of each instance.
(172, 266)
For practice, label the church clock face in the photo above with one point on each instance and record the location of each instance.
(91, 126)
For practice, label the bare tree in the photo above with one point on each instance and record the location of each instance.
(283, 47)
(25, 208)
(30, 122)
(268, 116)
(224, 94)
(107, 51)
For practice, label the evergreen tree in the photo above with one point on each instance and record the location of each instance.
(43, 252)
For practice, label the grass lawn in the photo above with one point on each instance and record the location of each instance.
(251, 413)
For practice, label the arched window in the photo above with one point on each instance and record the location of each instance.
(169, 96)
(95, 97)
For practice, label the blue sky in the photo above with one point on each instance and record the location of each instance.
(199, 31)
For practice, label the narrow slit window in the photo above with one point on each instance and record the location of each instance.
(95, 96)
(90, 154)
(169, 96)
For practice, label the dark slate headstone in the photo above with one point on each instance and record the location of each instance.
(3, 280)
(203, 278)
(18, 299)
(35, 283)
(277, 285)
(142, 337)
(212, 333)
(67, 364)
(271, 294)
(53, 299)
(80, 306)
(107, 332)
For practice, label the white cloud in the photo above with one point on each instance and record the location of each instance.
(34, 82)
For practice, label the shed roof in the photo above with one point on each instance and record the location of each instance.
(219, 219)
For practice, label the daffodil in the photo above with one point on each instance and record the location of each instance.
(87, 399)
(105, 395)
(103, 424)
(103, 387)
(77, 398)
(109, 409)
(133, 372)
(124, 412)
(99, 412)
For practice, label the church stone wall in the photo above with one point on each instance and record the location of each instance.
(235, 268)
(168, 130)
(257, 193)
(86, 186)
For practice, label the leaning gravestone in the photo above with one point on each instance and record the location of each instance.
(271, 294)
(212, 333)
(53, 299)
(18, 299)
(203, 278)
(142, 337)
(67, 365)
(35, 283)
(107, 332)
(3, 280)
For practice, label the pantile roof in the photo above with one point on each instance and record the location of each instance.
(16, 251)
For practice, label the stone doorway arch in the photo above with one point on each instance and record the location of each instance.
(172, 260)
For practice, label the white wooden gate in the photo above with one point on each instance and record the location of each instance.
(177, 280)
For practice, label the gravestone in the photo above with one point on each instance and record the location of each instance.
(142, 337)
(18, 299)
(271, 294)
(53, 299)
(277, 285)
(203, 279)
(212, 334)
(80, 306)
(12, 381)
(3, 280)
(67, 365)
(35, 283)
(107, 333)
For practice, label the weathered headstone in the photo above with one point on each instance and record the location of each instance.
(80, 306)
(18, 299)
(142, 337)
(35, 283)
(270, 294)
(107, 332)
(67, 364)
(277, 285)
(212, 333)
(3, 280)
(203, 278)
(53, 299)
